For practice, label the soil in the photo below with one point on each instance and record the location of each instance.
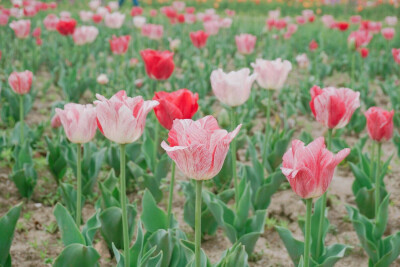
(36, 243)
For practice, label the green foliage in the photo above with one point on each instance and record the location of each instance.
(7, 227)
(56, 160)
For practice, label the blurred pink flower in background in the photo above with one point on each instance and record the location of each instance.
(271, 74)
(119, 45)
(114, 20)
(50, 22)
(85, 35)
(388, 33)
(21, 82)
(211, 27)
(22, 28)
(379, 124)
(153, 31)
(245, 43)
(85, 15)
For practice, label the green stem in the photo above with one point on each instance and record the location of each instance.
(123, 204)
(267, 126)
(353, 62)
(199, 184)
(307, 243)
(233, 155)
(79, 185)
(320, 242)
(171, 194)
(373, 162)
(156, 137)
(378, 181)
(21, 118)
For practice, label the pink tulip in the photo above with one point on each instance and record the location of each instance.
(79, 122)
(55, 121)
(245, 43)
(4, 19)
(21, 82)
(139, 21)
(122, 119)
(333, 107)
(50, 22)
(396, 55)
(271, 75)
(211, 27)
(230, 13)
(85, 35)
(379, 124)
(388, 33)
(153, 31)
(94, 4)
(309, 169)
(178, 5)
(65, 15)
(21, 28)
(114, 20)
(225, 23)
(303, 61)
(359, 38)
(190, 18)
(119, 45)
(328, 21)
(391, 20)
(355, 19)
(198, 147)
(153, 13)
(300, 20)
(85, 15)
(233, 88)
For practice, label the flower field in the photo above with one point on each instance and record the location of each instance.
(205, 133)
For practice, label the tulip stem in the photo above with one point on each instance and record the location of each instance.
(373, 161)
(320, 242)
(353, 62)
(123, 204)
(267, 126)
(157, 130)
(171, 194)
(378, 182)
(21, 118)
(307, 243)
(233, 155)
(79, 184)
(199, 184)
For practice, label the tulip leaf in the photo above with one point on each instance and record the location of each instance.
(234, 256)
(7, 228)
(294, 247)
(69, 231)
(381, 219)
(189, 248)
(391, 248)
(69, 197)
(90, 228)
(150, 210)
(77, 255)
(333, 254)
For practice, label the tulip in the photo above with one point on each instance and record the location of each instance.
(313, 45)
(66, 26)
(233, 88)
(391, 20)
(333, 107)
(4, 19)
(342, 25)
(328, 21)
(271, 74)
(139, 21)
(359, 38)
(159, 64)
(122, 119)
(21, 28)
(153, 13)
(309, 170)
(388, 33)
(97, 18)
(355, 19)
(199, 38)
(211, 27)
(380, 128)
(37, 32)
(119, 45)
(114, 20)
(245, 43)
(178, 5)
(364, 52)
(102, 79)
(85, 35)
(21, 82)
(153, 31)
(79, 122)
(230, 13)
(136, 11)
(303, 61)
(379, 124)
(85, 15)
(396, 55)
(174, 44)
(113, 5)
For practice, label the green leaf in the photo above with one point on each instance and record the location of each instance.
(333, 254)
(381, 219)
(69, 197)
(69, 231)
(111, 225)
(190, 254)
(7, 228)
(77, 255)
(153, 217)
(391, 248)
(294, 247)
(234, 256)
(90, 228)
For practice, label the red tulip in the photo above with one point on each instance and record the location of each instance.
(333, 107)
(21, 82)
(119, 45)
(198, 147)
(309, 169)
(199, 38)
(97, 18)
(136, 11)
(359, 38)
(313, 45)
(159, 64)
(379, 123)
(66, 26)
(364, 52)
(342, 25)
(37, 32)
(181, 104)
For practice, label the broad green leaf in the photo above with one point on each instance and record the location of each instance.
(69, 231)
(77, 255)
(7, 228)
